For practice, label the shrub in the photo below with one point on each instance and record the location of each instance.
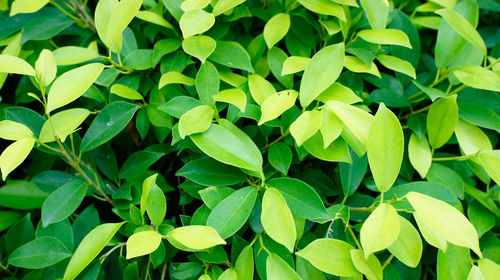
(231, 139)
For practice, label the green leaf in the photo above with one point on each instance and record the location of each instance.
(10, 130)
(233, 96)
(475, 273)
(108, 123)
(208, 172)
(46, 67)
(233, 55)
(385, 147)
(72, 84)
(195, 237)
(15, 65)
(352, 174)
(196, 22)
(236, 149)
(244, 265)
(433, 93)
(358, 121)
(471, 138)
(441, 120)
(14, 155)
(369, 266)
(377, 12)
(195, 120)
(112, 17)
(200, 47)
(277, 219)
(336, 151)
(322, 71)
(408, 247)
(441, 174)
(225, 5)
(307, 271)
(63, 124)
(39, 253)
(275, 59)
(490, 160)
(89, 248)
(70, 55)
(324, 7)
(276, 28)
(294, 64)
(156, 205)
(154, 18)
(277, 269)
(26, 6)
(174, 77)
(331, 256)
(380, 230)
(207, 82)
(305, 126)
(386, 37)
(302, 200)
(463, 28)
(126, 92)
(228, 274)
(339, 92)
(489, 268)
(143, 243)
(138, 162)
(445, 220)
(397, 64)
(420, 154)
(189, 5)
(482, 219)
(61, 203)
(231, 213)
(331, 126)
(356, 65)
(280, 157)
(478, 77)
(22, 195)
(276, 104)
(212, 196)
(455, 263)
(147, 184)
(260, 88)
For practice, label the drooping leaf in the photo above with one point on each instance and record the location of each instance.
(408, 247)
(15, 65)
(277, 219)
(380, 230)
(370, 266)
(14, 155)
(441, 120)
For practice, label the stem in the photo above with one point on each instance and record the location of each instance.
(354, 236)
(103, 258)
(388, 261)
(164, 271)
(147, 268)
(458, 158)
(276, 140)
(457, 90)
(7, 270)
(262, 247)
(426, 108)
(77, 20)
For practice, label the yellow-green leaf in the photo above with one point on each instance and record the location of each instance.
(420, 154)
(278, 269)
(147, 185)
(64, 123)
(142, 243)
(491, 163)
(276, 28)
(174, 77)
(380, 230)
(356, 65)
(200, 47)
(225, 5)
(189, 5)
(72, 84)
(27, 6)
(46, 67)
(357, 120)
(126, 92)
(445, 220)
(15, 65)
(74, 55)
(385, 147)
(408, 247)
(195, 120)
(331, 126)
(386, 37)
(377, 12)
(471, 138)
(324, 7)
(489, 268)
(478, 77)
(196, 22)
(196, 237)
(244, 265)
(260, 88)
(153, 17)
(294, 64)
(277, 219)
(228, 274)
(441, 120)
(15, 154)
(305, 126)
(397, 64)
(339, 92)
(475, 273)
(370, 266)
(429, 235)
(277, 103)
(10, 130)
(234, 96)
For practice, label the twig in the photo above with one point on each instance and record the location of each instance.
(276, 140)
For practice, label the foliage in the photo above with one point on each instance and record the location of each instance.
(231, 139)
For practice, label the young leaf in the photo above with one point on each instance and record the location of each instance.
(142, 243)
(339, 92)
(471, 138)
(455, 263)
(156, 205)
(331, 256)
(10, 130)
(174, 77)
(72, 84)
(277, 219)
(370, 266)
(70, 55)
(126, 92)
(278, 269)
(15, 65)
(385, 147)
(26, 6)
(420, 154)
(490, 160)
(89, 248)
(147, 185)
(200, 47)
(154, 18)
(397, 64)
(224, 5)
(331, 126)
(336, 151)
(280, 157)
(195, 237)
(228, 274)
(189, 5)
(324, 7)
(429, 235)
(195, 120)
(475, 273)
(478, 77)
(322, 71)
(380, 230)
(61, 203)
(441, 120)
(196, 22)
(244, 265)
(63, 123)
(276, 104)
(377, 12)
(260, 88)
(294, 64)
(46, 67)
(356, 65)
(234, 96)
(488, 268)
(39, 253)
(232, 54)
(445, 220)
(408, 247)
(358, 121)
(305, 126)
(14, 155)
(386, 37)
(207, 82)
(276, 28)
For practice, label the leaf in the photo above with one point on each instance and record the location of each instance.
(195, 237)
(397, 64)
(138, 162)
(140, 59)
(232, 54)
(147, 185)
(475, 273)
(231, 213)
(142, 243)
(420, 154)
(386, 37)
(433, 93)
(188, 5)
(108, 123)
(488, 268)
(377, 12)
(471, 138)
(336, 151)
(448, 177)
(46, 67)
(15, 65)
(208, 172)
(244, 265)
(14, 155)
(482, 219)
(294, 64)
(441, 120)
(212, 196)
(277, 269)
(63, 124)
(445, 220)
(276, 104)
(195, 120)
(228, 274)
(280, 157)
(331, 127)
(72, 84)
(237, 149)
(154, 18)
(277, 219)
(195, 22)
(302, 200)
(455, 263)
(207, 82)
(39, 253)
(385, 147)
(89, 248)
(352, 174)
(357, 120)
(61, 203)
(463, 28)
(370, 266)
(10, 130)
(126, 92)
(324, 7)
(305, 126)
(233, 96)
(224, 5)
(200, 47)
(331, 256)
(156, 205)
(260, 88)
(22, 195)
(26, 6)
(276, 28)
(478, 77)
(356, 65)
(69, 55)
(408, 247)
(322, 71)
(380, 230)
(339, 92)
(490, 160)
(175, 77)
(112, 17)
